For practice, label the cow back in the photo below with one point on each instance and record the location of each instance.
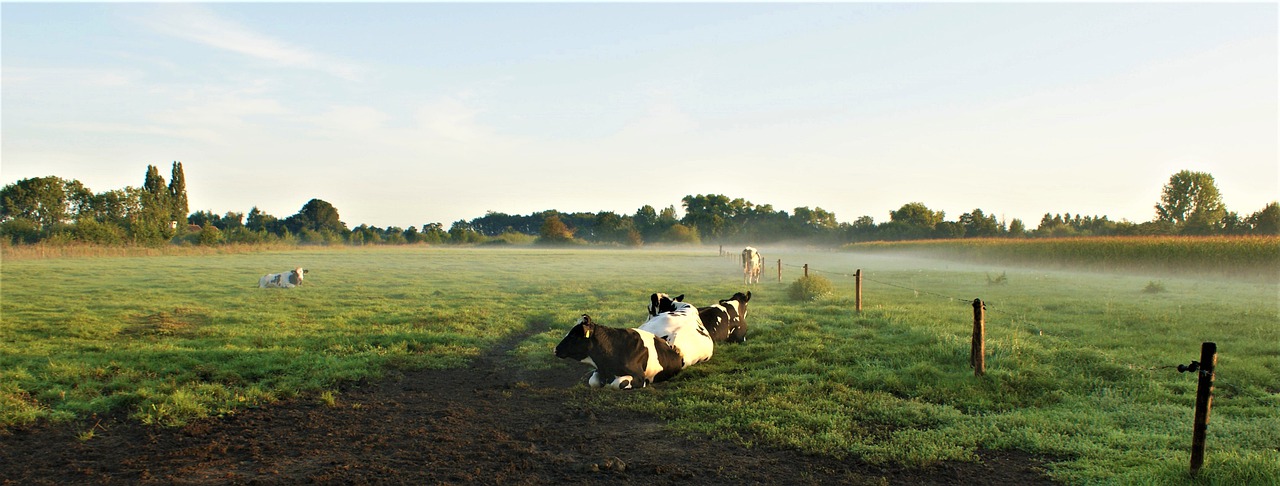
(683, 329)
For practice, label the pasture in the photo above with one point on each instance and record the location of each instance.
(1079, 365)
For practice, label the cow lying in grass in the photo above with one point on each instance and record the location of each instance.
(681, 327)
(727, 320)
(285, 280)
(624, 358)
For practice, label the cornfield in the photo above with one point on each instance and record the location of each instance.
(1236, 256)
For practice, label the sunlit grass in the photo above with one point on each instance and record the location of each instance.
(1079, 366)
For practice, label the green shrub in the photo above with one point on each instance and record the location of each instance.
(811, 288)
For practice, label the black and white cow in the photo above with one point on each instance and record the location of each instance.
(752, 264)
(623, 358)
(682, 327)
(727, 320)
(660, 302)
(284, 280)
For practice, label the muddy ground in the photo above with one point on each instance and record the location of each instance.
(490, 424)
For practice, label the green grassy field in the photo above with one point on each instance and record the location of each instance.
(1079, 365)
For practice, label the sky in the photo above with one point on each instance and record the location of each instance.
(402, 114)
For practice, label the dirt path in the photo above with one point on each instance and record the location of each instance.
(489, 424)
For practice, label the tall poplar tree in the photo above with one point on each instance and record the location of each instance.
(178, 193)
(156, 222)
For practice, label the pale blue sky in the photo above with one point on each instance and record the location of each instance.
(410, 113)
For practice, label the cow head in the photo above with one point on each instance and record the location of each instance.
(577, 341)
(659, 303)
(739, 301)
(295, 276)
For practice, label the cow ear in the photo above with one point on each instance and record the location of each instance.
(586, 330)
(748, 296)
(654, 299)
(680, 298)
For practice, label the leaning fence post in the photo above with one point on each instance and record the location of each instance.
(1204, 401)
(977, 353)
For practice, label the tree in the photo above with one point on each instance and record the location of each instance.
(917, 214)
(1017, 229)
(114, 206)
(178, 193)
(47, 202)
(203, 218)
(1266, 221)
(554, 232)
(316, 215)
(615, 228)
(948, 230)
(646, 221)
(461, 232)
(260, 221)
(710, 214)
(977, 224)
(1191, 202)
(681, 234)
(911, 221)
(434, 234)
(231, 220)
(155, 224)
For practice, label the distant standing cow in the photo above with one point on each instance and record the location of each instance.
(285, 280)
(623, 358)
(752, 264)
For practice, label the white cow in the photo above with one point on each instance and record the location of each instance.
(752, 264)
(684, 330)
(284, 280)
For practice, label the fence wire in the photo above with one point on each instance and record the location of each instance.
(917, 291)
(1218, 382)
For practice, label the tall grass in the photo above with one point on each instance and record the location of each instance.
(1246, 256)
(1080, 366)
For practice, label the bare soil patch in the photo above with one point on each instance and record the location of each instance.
(490, 424)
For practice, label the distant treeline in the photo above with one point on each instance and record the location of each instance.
(55, 210)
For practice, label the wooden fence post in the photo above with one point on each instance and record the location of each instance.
(857, 290)
(1204, 401)
(806, 270)
(779, 270)
(977, 353)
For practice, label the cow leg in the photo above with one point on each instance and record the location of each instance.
(595, 381)
(621, 382)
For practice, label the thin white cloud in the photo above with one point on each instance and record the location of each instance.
(90, 77)
(199, 24)
(451, 119)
